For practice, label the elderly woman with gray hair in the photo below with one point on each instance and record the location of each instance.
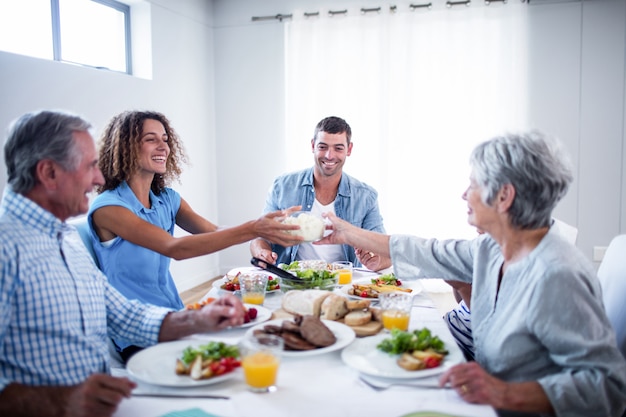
(544, 345)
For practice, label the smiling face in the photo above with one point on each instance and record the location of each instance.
(154, 148)
(330, 151)
(72, 187)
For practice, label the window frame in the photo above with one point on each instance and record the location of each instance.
(57, 51)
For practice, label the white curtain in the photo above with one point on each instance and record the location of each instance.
(420, 90)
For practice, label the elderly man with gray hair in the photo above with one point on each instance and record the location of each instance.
(56, 308)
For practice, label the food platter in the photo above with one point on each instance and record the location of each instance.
(233, 272)
(363, 356)
(344, 334)
(415, 286)
(156, 365)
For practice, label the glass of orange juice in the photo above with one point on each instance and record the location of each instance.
(344, 269)
(261, 357)
(253, 286)
(396, 310)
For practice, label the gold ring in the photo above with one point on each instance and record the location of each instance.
(464, 389)
(371, 254)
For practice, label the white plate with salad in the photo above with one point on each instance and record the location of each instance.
(387, 280)
(230, 282)
(157, 365)
(364, 356)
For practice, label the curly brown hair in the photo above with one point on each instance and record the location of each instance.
(120, 144)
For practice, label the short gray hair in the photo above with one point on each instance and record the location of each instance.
(38, 136)
(535, 164)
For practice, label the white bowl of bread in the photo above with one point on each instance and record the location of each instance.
(311, 225)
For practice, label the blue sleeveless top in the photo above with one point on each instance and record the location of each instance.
(137, 272)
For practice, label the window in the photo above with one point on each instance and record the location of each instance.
(88, 32)
(419, 90)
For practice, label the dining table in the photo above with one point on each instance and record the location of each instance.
(311, 385)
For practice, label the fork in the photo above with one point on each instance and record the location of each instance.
(381, 386)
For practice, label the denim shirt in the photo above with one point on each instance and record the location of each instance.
(356, 202)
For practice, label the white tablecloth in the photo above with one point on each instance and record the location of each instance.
(312, 386)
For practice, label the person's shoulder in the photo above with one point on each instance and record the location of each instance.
(357, 185)
(563, 264)
(9, 227)
(294, 176)
(16, 236)
(170, 197)
(169, 193)
(107, 198)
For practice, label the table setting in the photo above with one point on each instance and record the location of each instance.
(350, 377)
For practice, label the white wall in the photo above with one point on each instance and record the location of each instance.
(577, 92)
(182, 87)
(218, 75)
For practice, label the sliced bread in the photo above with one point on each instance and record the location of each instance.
(334, 307)
(358, 304)
(304, 302)
(357, 318)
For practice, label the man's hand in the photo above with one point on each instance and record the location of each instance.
(98, 396)
(267, 255)
(226, 311)
(260, 248)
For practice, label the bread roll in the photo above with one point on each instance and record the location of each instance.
(377, 313)
(304, 302)
(358, 304)
(333, 307)
(357, 318)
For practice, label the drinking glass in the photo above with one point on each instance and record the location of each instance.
(396, 310)
(253, 287)
(261, 358)
(344, 269)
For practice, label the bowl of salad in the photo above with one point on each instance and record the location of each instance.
(312, 274)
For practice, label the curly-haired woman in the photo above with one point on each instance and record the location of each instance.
(132, 220)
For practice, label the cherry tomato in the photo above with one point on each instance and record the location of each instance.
(364, 294)
(431, 362)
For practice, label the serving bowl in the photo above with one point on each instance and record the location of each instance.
(312, 226)
(314, 274)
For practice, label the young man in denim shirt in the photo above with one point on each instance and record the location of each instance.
(325, 188)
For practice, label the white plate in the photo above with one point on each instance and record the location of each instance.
(157, 365)
(363, 356)
(344, 334)
(415, 286)
(218, 283)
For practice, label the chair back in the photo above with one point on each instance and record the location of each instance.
(82, 226)
(612, 274)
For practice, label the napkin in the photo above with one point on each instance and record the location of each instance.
(192, 412)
